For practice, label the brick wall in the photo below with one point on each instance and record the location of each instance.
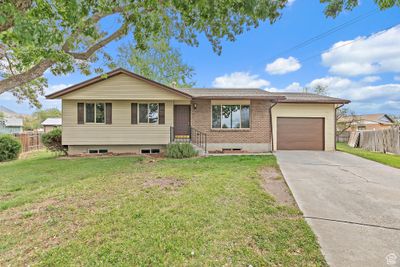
(260, 127)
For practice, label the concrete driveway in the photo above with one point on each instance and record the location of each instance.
(352, 204)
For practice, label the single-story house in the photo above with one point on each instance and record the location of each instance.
(123, 112)
(51, 123)
(368, 122)
(11, 125)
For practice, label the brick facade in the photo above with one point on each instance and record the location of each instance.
(260, 126)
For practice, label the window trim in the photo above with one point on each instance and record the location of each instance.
(231, 129)
(95, 103)
(148, 111)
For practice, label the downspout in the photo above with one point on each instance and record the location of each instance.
(341, 105)
(270, 122)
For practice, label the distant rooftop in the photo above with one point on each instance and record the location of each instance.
(52, 121)
(13, 122)
(380, 118)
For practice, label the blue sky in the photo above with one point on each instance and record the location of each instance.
(360, 62)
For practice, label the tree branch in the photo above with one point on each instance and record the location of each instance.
(91, 50)
(94, 19)
(22, 6)
(38, 70)
(25, 77)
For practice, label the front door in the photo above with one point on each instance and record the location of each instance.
(182, 120)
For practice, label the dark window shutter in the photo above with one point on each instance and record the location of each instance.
(161, 113)
(81, 113)
(108, 113)
(133, 113)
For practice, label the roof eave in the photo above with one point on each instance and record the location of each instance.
(316, 102)
(239, 97)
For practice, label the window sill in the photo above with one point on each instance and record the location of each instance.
(231, 130)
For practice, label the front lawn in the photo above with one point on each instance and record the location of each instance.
(136, 211)
(387, 159)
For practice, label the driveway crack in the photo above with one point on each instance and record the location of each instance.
(342, 169)
(352, 222)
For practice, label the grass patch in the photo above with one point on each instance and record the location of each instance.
(387, 159)
(134, 211)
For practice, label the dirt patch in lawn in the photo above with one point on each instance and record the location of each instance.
(163, 183)
(274, 184)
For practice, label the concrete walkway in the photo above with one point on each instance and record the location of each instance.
(352, 204)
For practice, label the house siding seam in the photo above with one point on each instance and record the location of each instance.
(259, 132)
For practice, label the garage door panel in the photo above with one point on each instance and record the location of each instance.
(300, 134)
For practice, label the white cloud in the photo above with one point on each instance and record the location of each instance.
(294, 87)
(365, 98)
(370, 98)
(283, 66)
(290, 2)
(371, 79)
(365, 55)
(240, 80)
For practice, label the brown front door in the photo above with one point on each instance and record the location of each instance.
(300, 133)
(182, 120)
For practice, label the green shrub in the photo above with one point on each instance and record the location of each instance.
(10, 148)
(180, 151)
(52, 141)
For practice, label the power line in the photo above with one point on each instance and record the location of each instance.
(346, 44)
(325, 34)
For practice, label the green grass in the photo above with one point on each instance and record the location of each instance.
(387, 159)
(107, 211)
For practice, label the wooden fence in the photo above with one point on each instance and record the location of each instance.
(343, 137)
(386, 141)
(30, 141)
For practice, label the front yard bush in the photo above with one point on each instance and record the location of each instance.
(52, 141)
(180, 151)
(10, 148)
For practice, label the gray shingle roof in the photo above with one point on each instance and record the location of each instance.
(308, 98)
(238, 93)
(235, 93)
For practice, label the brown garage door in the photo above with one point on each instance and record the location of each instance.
(300, 134)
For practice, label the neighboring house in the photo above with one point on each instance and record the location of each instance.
(368, 122)
(51, 123)
(128, 113)
(11, 125)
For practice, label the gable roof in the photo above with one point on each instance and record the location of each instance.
(52, 121)
(109, 75)
(309, 98)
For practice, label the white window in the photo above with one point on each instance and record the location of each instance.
(95, 112)
(230, 116)
(148, 113)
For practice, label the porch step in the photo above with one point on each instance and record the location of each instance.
(199, 150)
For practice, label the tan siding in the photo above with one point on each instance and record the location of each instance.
(120, 132)
(122, 87)
(326, 111)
